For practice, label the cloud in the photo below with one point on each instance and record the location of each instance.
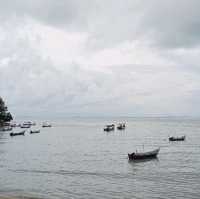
(56, 13)
(99, 57)
(169, 24)
(172, 24)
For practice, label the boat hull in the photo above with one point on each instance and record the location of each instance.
(177, 138)
(146, 155)
(109, 127)
(15, 134)
(25, 126)
(121, 126)
(32, 132)
(7, 129)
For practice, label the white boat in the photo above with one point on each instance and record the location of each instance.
(24, 125)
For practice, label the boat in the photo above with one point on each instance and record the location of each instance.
(20, 133)
(121, 126)
(29, 123)
(46, 124)
(25, 126)
(34, 131)
(13, 125)
(182, 138)
(7, 128)
(110, 127)
(144, 155)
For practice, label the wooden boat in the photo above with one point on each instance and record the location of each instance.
(121, 126)
(110, 127)
(144, 155)
(34, 131)
(15, 134)
(182, 138)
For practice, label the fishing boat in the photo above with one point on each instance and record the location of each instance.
(29, 123)
(182, 138)
(13, 125)
(121, 126)
(46, 124)
(143, 155)
(15, 134)
(34, 131)
(25, 126)
(110, 127)
(7, 128)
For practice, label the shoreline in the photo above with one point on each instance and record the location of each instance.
(17, 197)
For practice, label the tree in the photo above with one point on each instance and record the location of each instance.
(5, 116)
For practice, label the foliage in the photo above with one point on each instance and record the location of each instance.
(5, 116)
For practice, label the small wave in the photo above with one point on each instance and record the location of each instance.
(74, 173)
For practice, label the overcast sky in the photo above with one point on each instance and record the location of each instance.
(100, 57)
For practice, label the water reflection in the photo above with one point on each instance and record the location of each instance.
(133, 162)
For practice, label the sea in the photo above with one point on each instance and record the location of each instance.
(76, 159)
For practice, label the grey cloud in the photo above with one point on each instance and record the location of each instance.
(63, 13)
(168, 24)
(172, 24)
(32, 84)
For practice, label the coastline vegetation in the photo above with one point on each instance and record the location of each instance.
(5, 116)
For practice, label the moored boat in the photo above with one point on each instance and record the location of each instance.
(34, 131)
(110, 127)
(182, 138)
(25, 126)
(19, 133)
(143, 155)
(7, 128)
(13, 125)
(46, 124)
(121, 126)
(28, 124)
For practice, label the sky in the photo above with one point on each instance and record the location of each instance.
(100, 57)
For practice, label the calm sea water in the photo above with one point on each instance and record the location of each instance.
(77, 159)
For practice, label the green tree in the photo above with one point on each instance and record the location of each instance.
(5, 116)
